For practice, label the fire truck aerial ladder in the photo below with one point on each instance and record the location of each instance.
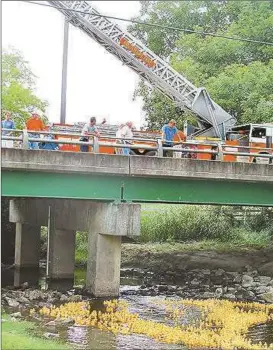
(212, 120)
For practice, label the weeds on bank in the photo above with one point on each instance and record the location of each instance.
(185, 223)
(190, 228)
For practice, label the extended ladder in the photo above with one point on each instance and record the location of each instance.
(212, 119)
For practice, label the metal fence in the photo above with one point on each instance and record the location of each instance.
(217, 149)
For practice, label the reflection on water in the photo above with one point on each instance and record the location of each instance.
(61, 285)
(261, 333)
(17, 276)
(93, 338)
(34, 277)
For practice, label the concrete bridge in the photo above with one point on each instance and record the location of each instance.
(99, 194)
(69, 175)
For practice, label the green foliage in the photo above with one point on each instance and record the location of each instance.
(262, 222)
(199, 227)
(19, 335)
(245, 91)
(238, 75)
(160, 110)
(18, 88)
(197, 223)
(184, 223)
(81, 248)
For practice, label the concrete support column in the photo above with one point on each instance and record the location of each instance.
(27, 245)
(103, 266)
(7, 234)
(108, 223)
(61, 253)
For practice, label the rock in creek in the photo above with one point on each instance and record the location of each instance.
(268, 297)
(51, 335)
(12, 302)
(16, 315)
(263, 289)
(264, 280)
(229, 296)
(247, 281)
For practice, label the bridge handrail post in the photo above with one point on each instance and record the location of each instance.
(96, 145)
(25, 139)
(160, 148)
(220, 154)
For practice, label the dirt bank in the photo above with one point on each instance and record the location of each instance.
(176, 257)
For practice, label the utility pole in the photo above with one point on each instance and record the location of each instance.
(64, 72)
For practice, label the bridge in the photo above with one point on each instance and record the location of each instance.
(100, 194)
(70, 175)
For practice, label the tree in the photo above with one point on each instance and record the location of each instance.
(237, 74)
(18, 88)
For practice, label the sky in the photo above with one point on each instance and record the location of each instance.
(97, 82)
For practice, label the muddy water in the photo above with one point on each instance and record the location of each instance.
(146, 307)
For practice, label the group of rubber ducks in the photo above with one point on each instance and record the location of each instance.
(222, 324)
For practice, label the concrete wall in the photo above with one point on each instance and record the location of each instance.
(86, 163)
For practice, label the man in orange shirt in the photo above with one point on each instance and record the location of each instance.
(34, 123)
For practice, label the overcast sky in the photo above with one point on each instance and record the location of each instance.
(98, 83)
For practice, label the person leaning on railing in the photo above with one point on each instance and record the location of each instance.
(34, 123)
(49, 146)
(168, 132)
(88, 129)
(7, 124)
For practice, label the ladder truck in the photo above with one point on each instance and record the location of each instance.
(212, 120)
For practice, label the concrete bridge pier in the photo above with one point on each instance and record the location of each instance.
(104, 222)
(108, 223)
(61, 251)
(27, 245)
(28, 215)
(27, 242)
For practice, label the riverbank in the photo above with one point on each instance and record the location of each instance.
(201, 255)
(177, 257)
(18, 334)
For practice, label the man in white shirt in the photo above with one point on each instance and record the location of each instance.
(124, 132)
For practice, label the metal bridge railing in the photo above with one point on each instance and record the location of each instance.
(218, 149)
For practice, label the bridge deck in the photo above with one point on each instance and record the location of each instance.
(27, 173)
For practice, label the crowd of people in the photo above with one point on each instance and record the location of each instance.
(124, 135)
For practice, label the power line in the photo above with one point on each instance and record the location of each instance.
(157, 25)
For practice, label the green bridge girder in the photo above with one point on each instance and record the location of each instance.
(135, 189)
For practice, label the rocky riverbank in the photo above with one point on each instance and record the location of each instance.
(248, 285)
(181, 257)
(205, 284)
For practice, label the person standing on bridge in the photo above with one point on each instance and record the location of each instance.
(124, 131)
(7, 124)
(168, 133)
(88, 129)
(34, 123)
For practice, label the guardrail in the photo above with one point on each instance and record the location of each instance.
(218, 149)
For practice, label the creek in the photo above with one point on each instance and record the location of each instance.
(133, 290)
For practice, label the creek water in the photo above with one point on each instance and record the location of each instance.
(147, 308)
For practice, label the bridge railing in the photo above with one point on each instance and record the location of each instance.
(155, 144)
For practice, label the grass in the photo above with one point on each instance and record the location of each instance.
(19, 335)
(192, 228)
